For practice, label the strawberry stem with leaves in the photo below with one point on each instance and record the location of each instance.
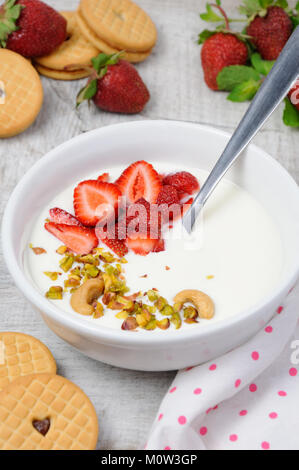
(9, 14)
(97, 71)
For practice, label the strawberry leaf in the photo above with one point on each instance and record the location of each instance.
(244, 91)
(9, 14)
(210, 15)
(87, 92)
(101, 62)
(262, 66)
(290, 114)
(234, 75)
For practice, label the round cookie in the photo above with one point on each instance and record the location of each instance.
(21, 355)
(74, 50)
(104, 47)
(21, 93)
(62, 74)
(46, 412)
(121, 23)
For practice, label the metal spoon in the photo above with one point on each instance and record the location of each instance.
(275, 87)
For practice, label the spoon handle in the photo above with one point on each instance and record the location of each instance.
(275, 87)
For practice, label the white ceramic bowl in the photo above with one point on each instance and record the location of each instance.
(199, 146)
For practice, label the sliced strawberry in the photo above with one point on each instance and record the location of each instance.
(95, 202)
(80, 240)
(114, 239)
(104, 178)
(60, 216)
(143, 245)
(140, 180)
(118, 246)
(183, 181)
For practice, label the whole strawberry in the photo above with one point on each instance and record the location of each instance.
(221, 50)
(115, 86)
(270, 33)
(30, 27)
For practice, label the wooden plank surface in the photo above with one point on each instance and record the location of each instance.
(126, 401)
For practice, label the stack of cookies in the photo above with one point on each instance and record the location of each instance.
(116, 25)
(40, 410)
(108, 26)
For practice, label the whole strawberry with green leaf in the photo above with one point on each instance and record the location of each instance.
(221, 47)
(30, 27)
(115, 86)
(271, 23)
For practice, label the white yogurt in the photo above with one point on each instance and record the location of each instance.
(239, 245)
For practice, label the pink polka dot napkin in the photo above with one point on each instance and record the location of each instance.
(246, 399)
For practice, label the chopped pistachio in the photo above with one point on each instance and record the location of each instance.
(52, 275)
(190, 320)
(141, 320)
(161, 303)
(176, 320)
(88, 259)
(122, 315)
(129, 324)
(72, 282)
(152, 296)
(123, 260)
(61, 250)
(127, 304)
(37, 249)
(91, 270)
(177, 307)
(210, 276)
(66, 263)
(54, 293)
(99, 310)
(151, 325)
(108, 257)
(190, 312)
(167, 311)
(163, 324)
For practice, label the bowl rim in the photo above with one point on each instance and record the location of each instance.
(110, 335)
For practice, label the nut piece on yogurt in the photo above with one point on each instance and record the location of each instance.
(83, 298)
(202, 302)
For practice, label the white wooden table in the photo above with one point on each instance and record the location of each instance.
(126, 401)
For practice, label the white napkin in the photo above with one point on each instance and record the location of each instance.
(246, 399)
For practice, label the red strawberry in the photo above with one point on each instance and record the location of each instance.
(139, 180)
(80, 240)
(168, 195)
(60, 216)
(270, 33)
(183, 181)
(95, 202)
(294, 95)
(30, 27)
(218, 51)
(143, 245)
(104, 178)
(115, 86)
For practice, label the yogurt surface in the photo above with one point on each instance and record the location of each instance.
(235, 254)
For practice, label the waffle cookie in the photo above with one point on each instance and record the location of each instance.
(62, 74)
(133, 57)
(74, 50)
(46, 412)
(121, 24)
(21, 93)
(21, 355)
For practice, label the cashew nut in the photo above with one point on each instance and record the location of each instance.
(200, 300)
(82, 298)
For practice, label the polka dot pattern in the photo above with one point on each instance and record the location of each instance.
(252, 402)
